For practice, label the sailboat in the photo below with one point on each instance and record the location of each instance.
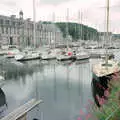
(103, 72)
(80, 53)
(28, 53)
(51, 52)
(66, 54)
(106, 68)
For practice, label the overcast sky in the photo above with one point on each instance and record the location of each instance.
(93, 11)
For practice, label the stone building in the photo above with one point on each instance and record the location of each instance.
(19, 31)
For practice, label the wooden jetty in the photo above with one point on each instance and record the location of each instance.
(21, 112)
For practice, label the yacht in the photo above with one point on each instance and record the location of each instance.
(27, 55)
(48, 55)
(81, 55)
(65, 55)
(104, 70)
(9, 51)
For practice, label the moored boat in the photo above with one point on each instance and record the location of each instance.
(65, 55)
(48, 55)
(28, 55)
(82, 56)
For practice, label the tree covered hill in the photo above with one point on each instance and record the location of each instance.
(78, 31)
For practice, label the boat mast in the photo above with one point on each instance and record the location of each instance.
(107, 30)
(34, 20)
(79, 22)
(53, 17)
(67, 32)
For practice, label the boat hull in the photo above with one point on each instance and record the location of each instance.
(24, 57)
(27, 59)
(66, 58)
(82, 57)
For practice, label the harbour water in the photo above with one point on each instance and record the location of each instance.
(65, 88)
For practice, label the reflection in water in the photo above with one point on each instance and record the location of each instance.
(16, 69)
(68, 83)
(79, 80)
(3, 104)
(60, 86)
(55, 85)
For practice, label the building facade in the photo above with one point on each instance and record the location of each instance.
(18, 31)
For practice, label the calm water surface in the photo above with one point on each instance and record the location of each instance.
(64, 87)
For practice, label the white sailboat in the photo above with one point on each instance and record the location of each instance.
(81, 54)
(11, 52)
(106, 67)
(103, 72)
(66, 54)
(29, 54)
(50, 53)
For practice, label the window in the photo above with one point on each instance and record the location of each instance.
(3, 30)
(13, 24)
(7, 22)
(10, 30)
(14, 30)
(7, 30)
(1, 21)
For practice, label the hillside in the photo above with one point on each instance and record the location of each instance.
(78, 31)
